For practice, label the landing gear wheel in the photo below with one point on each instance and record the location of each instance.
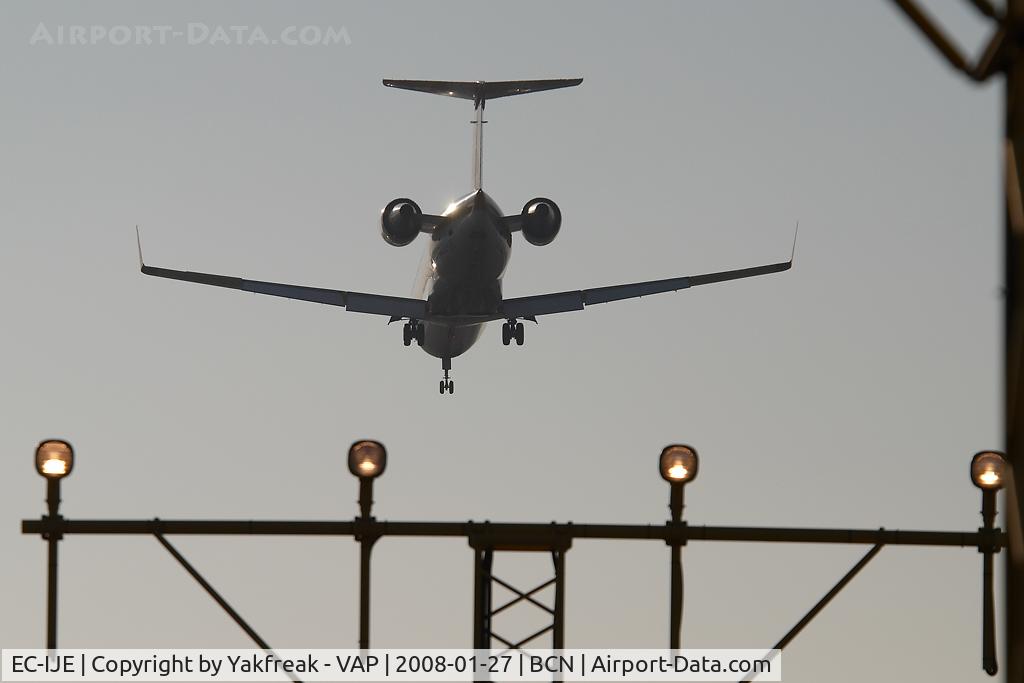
(519, 334)
(407, 334)
(446, 383)
(421, 332)
(506, 333)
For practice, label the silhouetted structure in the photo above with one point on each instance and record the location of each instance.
(1003, 55)
(678, 465)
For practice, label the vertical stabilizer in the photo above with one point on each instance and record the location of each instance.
(478, 145)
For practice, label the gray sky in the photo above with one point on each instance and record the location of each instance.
(850, 391)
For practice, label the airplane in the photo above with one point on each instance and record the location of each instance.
(459, 283)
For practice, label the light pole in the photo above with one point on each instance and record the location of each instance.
(54, 459)
(678, 466)
(366, 460)
(989, 470)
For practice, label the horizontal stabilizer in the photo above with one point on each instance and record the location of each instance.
(482, 90)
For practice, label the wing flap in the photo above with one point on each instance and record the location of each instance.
(544, 304)
(379, 304)
(601, 295)
(317, 295)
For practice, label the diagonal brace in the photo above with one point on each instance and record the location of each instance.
(523, 596)
(793, 632)
(821, 604)
(988, 61)
(217, 597)
(988, 9)
(527, 639)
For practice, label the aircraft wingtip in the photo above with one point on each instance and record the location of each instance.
(792, 253)
(138, 242)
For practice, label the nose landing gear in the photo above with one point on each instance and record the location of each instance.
(446, 384)
(512, 330)
(413, 330)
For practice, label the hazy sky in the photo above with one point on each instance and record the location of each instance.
(850, 391)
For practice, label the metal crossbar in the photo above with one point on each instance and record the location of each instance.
(523, 596)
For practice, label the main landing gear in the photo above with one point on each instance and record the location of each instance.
(447, 384)
(412, 330)
(512, 330)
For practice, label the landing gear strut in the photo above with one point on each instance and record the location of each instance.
(413, 330)
(446, 384)
(512, 330)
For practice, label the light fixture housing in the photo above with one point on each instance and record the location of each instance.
(367, 459)
(54, 458)
(678, 464)
(989, 470)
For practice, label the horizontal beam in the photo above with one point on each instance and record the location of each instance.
(517, 536)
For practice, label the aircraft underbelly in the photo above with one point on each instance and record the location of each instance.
(447, 341)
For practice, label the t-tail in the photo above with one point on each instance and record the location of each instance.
(480, 92)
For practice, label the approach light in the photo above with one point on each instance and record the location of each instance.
(988, 470)
(54, 458)
(367, 459)
(678, 464)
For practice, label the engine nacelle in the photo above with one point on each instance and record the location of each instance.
(541, 221)
(400, 222)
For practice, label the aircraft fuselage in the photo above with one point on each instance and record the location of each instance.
(461, 273)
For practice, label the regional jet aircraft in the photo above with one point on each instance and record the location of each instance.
(459, 287)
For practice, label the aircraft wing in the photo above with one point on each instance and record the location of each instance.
(562, 302)
(376, 304)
